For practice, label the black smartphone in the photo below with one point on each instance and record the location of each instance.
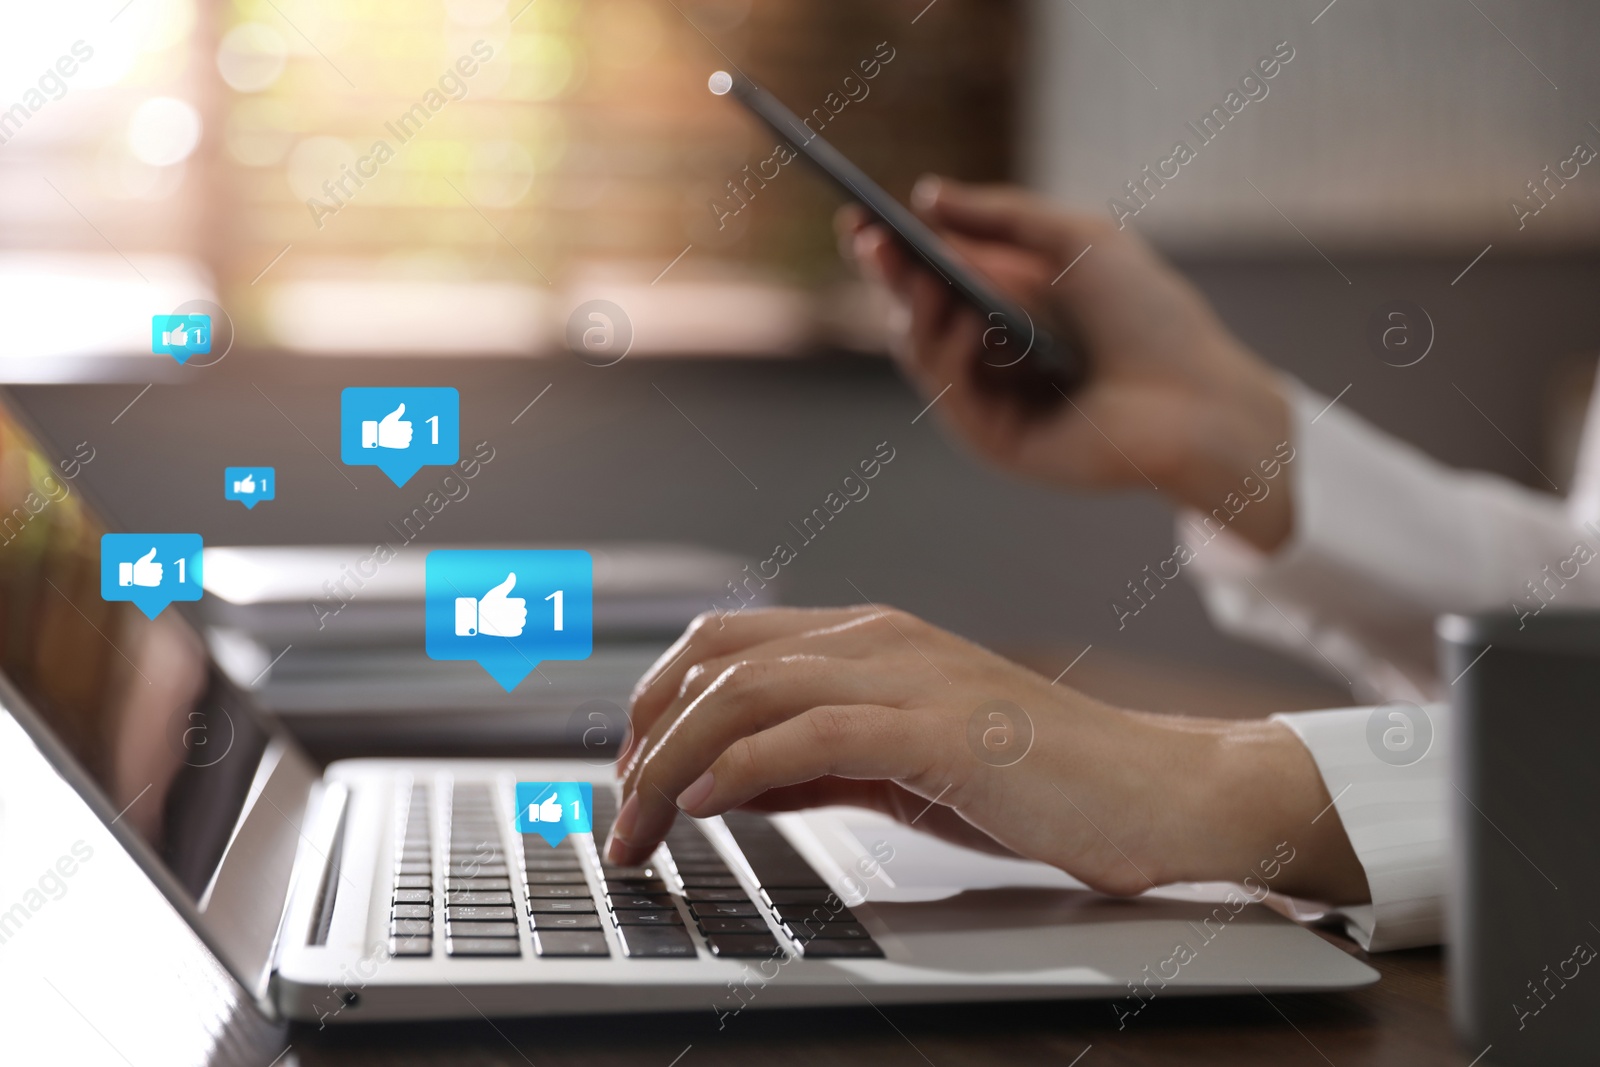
(1012, 336)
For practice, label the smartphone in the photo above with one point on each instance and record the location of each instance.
(1012, 337)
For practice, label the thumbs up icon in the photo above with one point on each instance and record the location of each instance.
(130, 573)
(143, 571)
(390, 432)
(552, 810)
(549, 811)
(500, 615)
(247, 484)
(496, 615)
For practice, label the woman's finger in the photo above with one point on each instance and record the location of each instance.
(862, 741)
(712, 635)
(846, 640)
(1008, 214)
(856, 637)
(883, 258)
(746, 698)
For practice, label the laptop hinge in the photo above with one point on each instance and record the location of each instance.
(306, 916)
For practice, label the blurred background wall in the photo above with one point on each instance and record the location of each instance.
(1384, 161)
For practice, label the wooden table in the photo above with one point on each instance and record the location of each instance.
(1400, 1021)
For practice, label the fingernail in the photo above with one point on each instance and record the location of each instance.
(696, 794)
(617, 851)
(926, 191)
(618, 844)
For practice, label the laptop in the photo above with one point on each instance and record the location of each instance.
(382, 889)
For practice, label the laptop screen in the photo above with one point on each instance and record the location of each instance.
(136, 702)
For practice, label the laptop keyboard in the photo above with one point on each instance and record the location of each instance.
(411, 921)
(572, 902)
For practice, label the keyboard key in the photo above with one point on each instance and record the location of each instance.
(801, 896)
(648, 918)
(477, 897)
(774, 860)
(570, 943)
(477, 870)
(740, 946)
(482, 946)
(827, 931)
(412, 867)
(534, 845)
(646, 901)
(738, 925)
(558, 892)
(635, 885)
(564, 922)
(561, 907)
(814, 913)
(702, 867)
(572, 877)
(413, 881)
(714, 909)
(463, 884)
(411, 911)
(843, 948)
(413, 896)
(482, 913)
(410, 928)
(659, 942)
(624, 873)
(710, 881)
(709, 895)
(693, 843)
(531, 864)
(480, 929)
(707, 857)
(807, 884)
(411, 946)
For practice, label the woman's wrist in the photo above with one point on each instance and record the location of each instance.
(1236, 459)
(1259, 808)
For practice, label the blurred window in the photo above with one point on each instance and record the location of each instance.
(455, 175)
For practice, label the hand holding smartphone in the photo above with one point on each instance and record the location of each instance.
(1013, 338)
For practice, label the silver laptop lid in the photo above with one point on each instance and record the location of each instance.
(204, 791)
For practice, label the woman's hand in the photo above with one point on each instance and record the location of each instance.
(797, 708)
(1172, 398)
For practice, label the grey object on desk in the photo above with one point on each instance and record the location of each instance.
(342, 595)
(1524, 973)
(333, 643)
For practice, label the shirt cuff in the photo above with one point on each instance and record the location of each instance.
(1386, 770)
(1385, 538)
(1324, 595)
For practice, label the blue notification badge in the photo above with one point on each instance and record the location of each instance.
(249, 485)
(151, 570)
(399, 430)
(180, 336)
(509, 610)
(555, 809)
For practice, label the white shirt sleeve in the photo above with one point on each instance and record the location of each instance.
(1385, 539)
(1394, 811)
